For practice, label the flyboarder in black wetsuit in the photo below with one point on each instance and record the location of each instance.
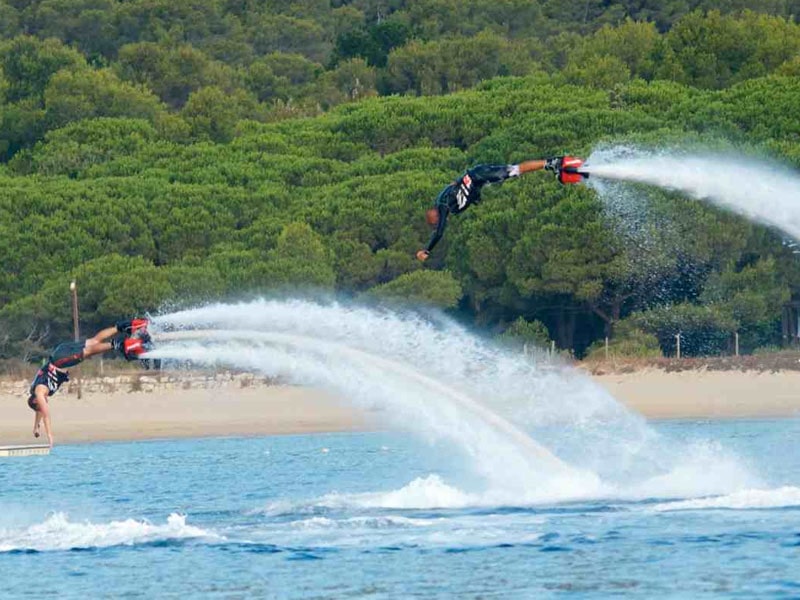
(52, 375)
(466, 190)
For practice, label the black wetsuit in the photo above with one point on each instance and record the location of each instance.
(466, 190)
(52, 374)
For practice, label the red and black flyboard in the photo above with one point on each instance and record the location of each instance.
(138, 342)
(571, 171)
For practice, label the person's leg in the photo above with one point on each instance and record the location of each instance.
(96, 348)
(98, 344)
(103, 335)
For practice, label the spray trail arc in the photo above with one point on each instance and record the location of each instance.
(754, 188)
(510, 415)
(540, 456)
(502, 455)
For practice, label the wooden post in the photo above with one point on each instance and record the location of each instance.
(606, 347)
(76, 328)
(736, 343)
(552, 347)
(678, 346)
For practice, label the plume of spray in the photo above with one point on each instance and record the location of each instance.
(755, 188)
(433, 376)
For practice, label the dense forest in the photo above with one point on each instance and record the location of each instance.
(165, 154)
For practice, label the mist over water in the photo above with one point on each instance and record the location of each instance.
(759, 190)
(530, 429)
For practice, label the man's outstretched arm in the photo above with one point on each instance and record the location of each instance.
(437, 234)
(43, 409)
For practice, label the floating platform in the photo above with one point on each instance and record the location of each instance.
(31, 450)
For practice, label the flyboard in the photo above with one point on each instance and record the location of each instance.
(29, 450)
(140, 342)
(542, 455)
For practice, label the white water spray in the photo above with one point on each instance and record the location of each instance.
(382, 367)
(439, 380)
(759, 190)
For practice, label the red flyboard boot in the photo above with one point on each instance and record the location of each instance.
(134, 347)
(137, 339)
(570, 171)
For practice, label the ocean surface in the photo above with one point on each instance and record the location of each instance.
(383, 515)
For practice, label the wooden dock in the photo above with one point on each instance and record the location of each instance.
(31, 450)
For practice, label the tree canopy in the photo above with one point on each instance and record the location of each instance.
(165, 154)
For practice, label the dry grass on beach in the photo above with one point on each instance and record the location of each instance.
(773, 362)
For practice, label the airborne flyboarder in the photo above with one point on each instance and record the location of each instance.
(466, 190)
(53, 374)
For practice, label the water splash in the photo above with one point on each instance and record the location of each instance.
(383, 368)
(57, 532)
(762, 191)
(783, 497)
(432, 376)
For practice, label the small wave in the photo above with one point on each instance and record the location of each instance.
(431, 492)
(784, 497)
(423, 492)
(378, 522)
(705, 471)
(57, 532)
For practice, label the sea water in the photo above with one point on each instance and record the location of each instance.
(497, 474)
(382, 515)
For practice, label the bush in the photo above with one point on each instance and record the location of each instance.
(764, 350)
(704, 329)
(628, 342)
(434, 288)
(522, 332)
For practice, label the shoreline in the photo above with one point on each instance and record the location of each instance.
(663, 395)
(167, 406)
(180, 413)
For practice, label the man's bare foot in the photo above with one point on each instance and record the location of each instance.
(35, 432)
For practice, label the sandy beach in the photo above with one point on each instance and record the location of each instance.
(275, 409)
(658, 394)
(125, 415)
